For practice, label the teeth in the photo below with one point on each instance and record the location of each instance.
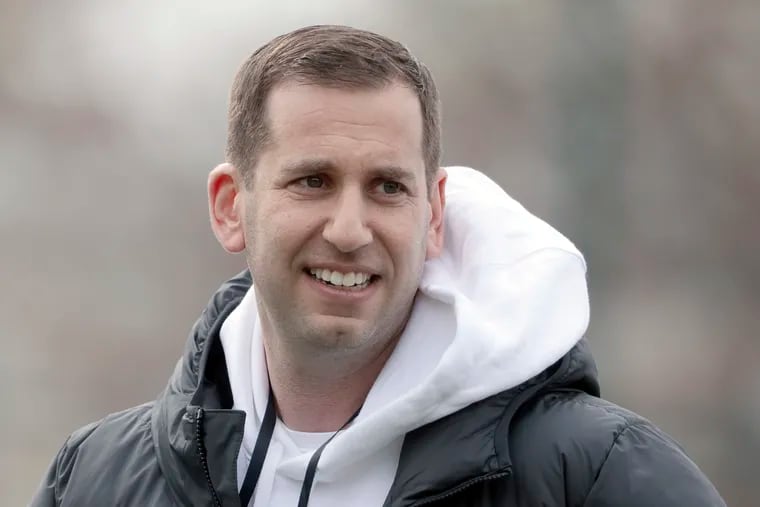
(340, 279)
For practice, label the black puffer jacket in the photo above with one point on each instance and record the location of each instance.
(549, 442)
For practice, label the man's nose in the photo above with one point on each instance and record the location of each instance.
(347, 228)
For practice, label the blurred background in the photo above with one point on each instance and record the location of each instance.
(632, 127)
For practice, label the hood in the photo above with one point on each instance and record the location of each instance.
(505, 301)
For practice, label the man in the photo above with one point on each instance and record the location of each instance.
(405, 336)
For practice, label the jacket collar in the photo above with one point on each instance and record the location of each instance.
(181, 431)
(478, 435)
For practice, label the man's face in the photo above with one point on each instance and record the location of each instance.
(338, 222)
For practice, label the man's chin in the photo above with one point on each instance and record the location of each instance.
(336, 332)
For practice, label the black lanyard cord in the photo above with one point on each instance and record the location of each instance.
(311, 469)
(260, 454)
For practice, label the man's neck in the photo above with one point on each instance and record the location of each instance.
(320, 394)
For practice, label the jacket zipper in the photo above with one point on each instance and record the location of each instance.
(458, 489)
(202, 454)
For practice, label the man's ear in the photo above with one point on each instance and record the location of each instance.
(225, 207)
(437, 200)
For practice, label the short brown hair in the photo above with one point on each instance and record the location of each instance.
(325, 55)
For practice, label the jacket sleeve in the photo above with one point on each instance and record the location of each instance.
(47, 494)
(646, 467)
(53, 486)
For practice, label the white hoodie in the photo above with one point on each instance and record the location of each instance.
(505, 300)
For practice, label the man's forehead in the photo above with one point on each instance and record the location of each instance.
(385, 122)
(303, 102)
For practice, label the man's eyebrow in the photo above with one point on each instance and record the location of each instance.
(396, 173)
(309, 165)
(317, 165)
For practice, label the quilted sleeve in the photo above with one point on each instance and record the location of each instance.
(646, 467)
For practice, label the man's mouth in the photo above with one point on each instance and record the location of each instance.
(351, 280)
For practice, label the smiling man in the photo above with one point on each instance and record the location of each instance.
(404, 335)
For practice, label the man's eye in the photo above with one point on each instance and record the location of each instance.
(391, 187)
(313, 181)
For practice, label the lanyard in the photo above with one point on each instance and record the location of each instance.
(260, 454)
